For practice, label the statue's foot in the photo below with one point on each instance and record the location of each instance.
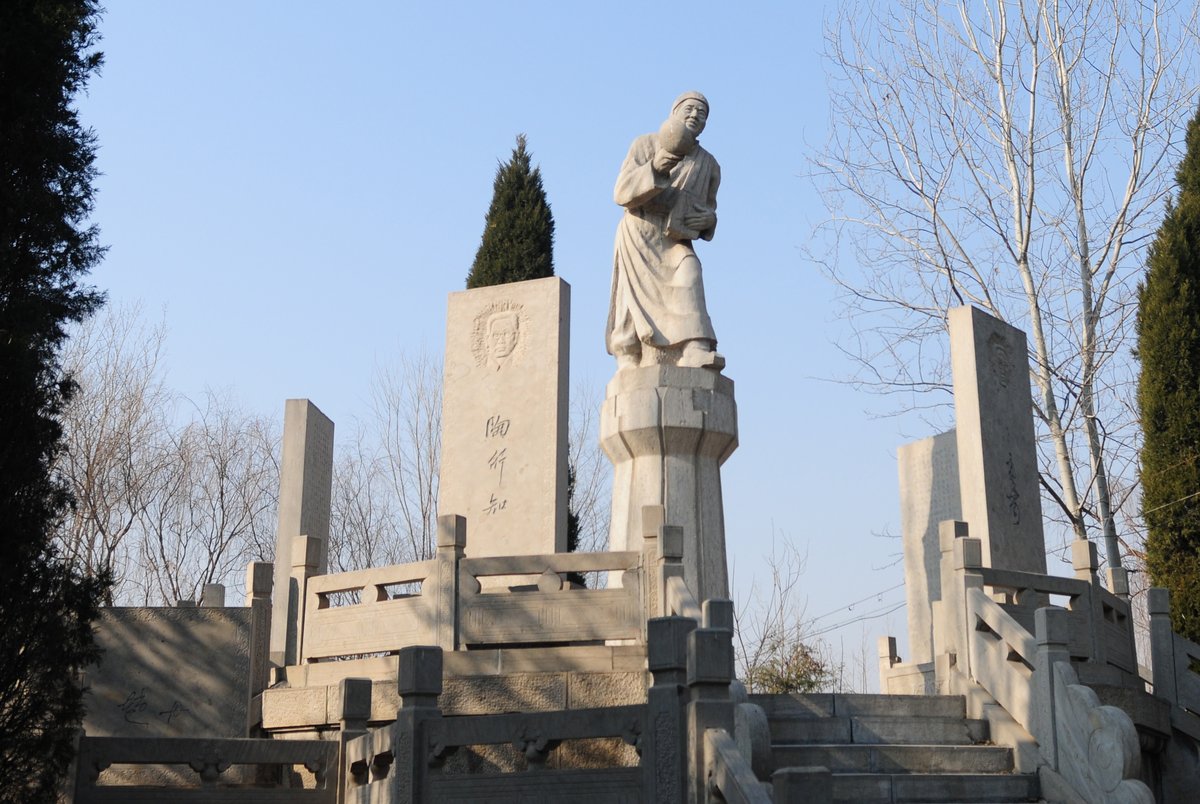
(696, 355)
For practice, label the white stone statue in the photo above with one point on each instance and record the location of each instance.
(668, 186)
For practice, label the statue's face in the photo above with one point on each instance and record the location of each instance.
(693, 114)
(502, 336)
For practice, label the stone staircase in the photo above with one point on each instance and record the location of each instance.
(894, 748)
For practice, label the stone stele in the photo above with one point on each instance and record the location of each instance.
(997, 455)
(305, 484)
(928, 495)
(667, 430)
(504, 417)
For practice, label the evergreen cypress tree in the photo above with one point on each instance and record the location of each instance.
(46, 606)
(518, 244)
(518, 233)
(1168, 331)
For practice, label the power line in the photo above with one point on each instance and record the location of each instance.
(850, 606)
(874, 615)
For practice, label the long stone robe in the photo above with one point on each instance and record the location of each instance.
(653, 301)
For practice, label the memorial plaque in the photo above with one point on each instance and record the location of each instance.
(504, 417)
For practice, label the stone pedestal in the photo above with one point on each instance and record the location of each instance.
(667, 431)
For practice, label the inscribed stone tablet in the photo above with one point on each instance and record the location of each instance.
(997, 456)
(504, 417)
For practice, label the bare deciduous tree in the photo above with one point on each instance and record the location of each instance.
(1014, 156)
(774, 652)
(215, 506)
(113, 445)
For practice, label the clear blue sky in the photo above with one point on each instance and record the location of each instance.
(299, 185)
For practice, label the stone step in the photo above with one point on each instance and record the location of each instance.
(877, 730)
(943, 788)
(896, 759)
(821, 705)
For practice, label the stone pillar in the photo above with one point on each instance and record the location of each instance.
(667, 431)
(997, 455)
(928, 496)
(305, 484)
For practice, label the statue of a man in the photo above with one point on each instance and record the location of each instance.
(668, 186)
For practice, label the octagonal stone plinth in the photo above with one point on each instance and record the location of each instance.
(667, 431)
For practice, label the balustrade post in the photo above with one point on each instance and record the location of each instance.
(443, 607)
(709, 673)
(648, 572)
(1052, 630)
(260, 578)
(665, 741)
(670, 562)
(355, 711)
(307, 558)
(419, 683)
(961, 556)
(1162, 645)
(1085, 559)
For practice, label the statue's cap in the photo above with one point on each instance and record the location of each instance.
(690, 96)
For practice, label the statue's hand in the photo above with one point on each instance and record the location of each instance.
(700, 219)
(663, 161)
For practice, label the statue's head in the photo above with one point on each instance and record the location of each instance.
(691, 109)
(502, 333)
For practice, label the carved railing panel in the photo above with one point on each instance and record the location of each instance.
(211, 760)
(377, 622)
(555, 612)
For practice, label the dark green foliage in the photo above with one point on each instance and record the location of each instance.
(46, 246)
(518, 234)
(1168, 330)
(573, 527)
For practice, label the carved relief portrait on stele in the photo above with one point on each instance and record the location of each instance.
(499, 336)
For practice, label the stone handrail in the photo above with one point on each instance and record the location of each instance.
(732, 777)
(441, 602)
(1001, 656)
(378, 621)
(1030, 675)
(210, 758)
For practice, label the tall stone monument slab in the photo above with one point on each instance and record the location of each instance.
(929, 494)
(504, 417)
(997, 454)
(667, 430)
(305, 485)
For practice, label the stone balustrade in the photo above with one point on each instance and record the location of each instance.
(684, 734)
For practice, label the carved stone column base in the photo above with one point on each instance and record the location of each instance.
(667, 431)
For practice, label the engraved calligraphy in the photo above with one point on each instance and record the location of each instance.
(1013, 495)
